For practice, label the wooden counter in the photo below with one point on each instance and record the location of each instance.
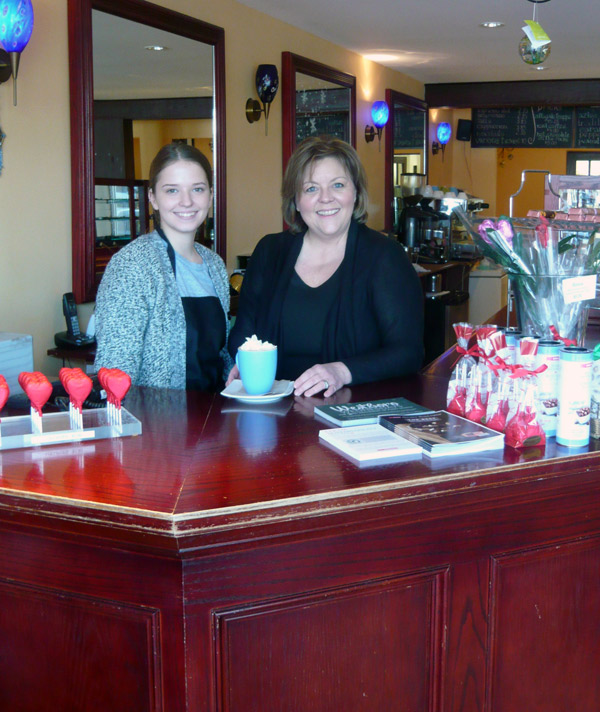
(225, 560)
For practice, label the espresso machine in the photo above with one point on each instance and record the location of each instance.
(422, 229)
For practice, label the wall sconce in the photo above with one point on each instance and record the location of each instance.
(444, 132)
(267, 83)
(380, 114)
(16, 26)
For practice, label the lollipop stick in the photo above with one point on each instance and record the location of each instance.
(36, 422)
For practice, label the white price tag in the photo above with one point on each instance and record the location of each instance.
(576, 289)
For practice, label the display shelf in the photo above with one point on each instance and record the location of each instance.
(19, 432)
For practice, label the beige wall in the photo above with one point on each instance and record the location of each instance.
(35, 209)
(473, 170)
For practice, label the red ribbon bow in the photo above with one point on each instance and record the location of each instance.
(558, 337)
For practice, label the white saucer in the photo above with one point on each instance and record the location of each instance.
(280, 389)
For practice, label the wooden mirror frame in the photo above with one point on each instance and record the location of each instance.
(292, 63)
(82, 120)
(393, 98)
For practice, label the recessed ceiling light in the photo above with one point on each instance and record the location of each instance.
(382, 57)
(539, 69)
(155, 48)
(491, 25)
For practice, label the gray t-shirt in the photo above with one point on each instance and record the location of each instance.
(193, 280)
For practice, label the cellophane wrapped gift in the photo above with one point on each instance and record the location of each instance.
(498, 402)
(480, 387)
(456, 396)
(523, 428)
(528, 349)
(483, 333)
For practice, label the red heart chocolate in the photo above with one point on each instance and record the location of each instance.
(117, 384)
(4, 392)
(37, 387)
(77, 384)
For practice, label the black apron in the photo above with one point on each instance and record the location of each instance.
(205, 336)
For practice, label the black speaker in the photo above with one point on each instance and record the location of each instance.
(463, 130)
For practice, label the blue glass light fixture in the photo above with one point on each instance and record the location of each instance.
(16, 26)
(380, 113)
(443, 133)
(267, 83)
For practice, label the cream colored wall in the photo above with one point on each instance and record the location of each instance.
(35, 197)
(473, 170)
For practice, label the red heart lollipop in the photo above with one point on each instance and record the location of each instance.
(37, 387)
(79, 387)
(77, 384)
(4, 391)
(117, 383)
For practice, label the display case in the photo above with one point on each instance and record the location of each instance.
(121, 214)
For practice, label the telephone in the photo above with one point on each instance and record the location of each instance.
(72, 337)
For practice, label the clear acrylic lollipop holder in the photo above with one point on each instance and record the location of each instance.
(52, 428)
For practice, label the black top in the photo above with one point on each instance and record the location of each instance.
(375, 325)
(303, 323)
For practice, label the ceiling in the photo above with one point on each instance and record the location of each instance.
(124, 69)
(439, 41)
(433, 42)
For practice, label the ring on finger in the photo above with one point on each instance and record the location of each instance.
(326, 384)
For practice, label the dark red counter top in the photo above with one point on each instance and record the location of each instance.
(210, 466)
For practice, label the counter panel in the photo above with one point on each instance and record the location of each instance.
(223, 562)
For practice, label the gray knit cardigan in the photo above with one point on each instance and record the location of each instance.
(140, 324)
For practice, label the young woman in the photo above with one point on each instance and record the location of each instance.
(162, 306)
(342, 302)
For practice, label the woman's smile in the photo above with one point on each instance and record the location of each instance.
(182, 197)
(326, 199)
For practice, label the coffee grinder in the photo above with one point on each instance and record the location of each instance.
(411, 216)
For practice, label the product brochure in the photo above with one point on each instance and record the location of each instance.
(369, 444)
(443, 433)
(367, 412)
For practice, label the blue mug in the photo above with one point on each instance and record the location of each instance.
(257, 370)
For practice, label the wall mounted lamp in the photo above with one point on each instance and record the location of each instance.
(267, 83)
(380, 113)
(444, 132)
(16, 26)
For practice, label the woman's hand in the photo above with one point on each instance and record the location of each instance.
(326, 377)
(234, 373)
(306, 405)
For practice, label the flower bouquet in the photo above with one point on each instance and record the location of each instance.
(552, 265)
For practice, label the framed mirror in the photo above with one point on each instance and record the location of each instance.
(405, 148)
(127, 99)
(317, 99)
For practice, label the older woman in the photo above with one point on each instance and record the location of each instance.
(342, 302)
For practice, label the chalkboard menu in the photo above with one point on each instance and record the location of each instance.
(523, 127)
(323, 124)
(587, 127)
(409, 128)
(322, 112)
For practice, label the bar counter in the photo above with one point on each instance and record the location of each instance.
(226, 560)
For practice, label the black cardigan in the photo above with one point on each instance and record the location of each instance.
(376, 325)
